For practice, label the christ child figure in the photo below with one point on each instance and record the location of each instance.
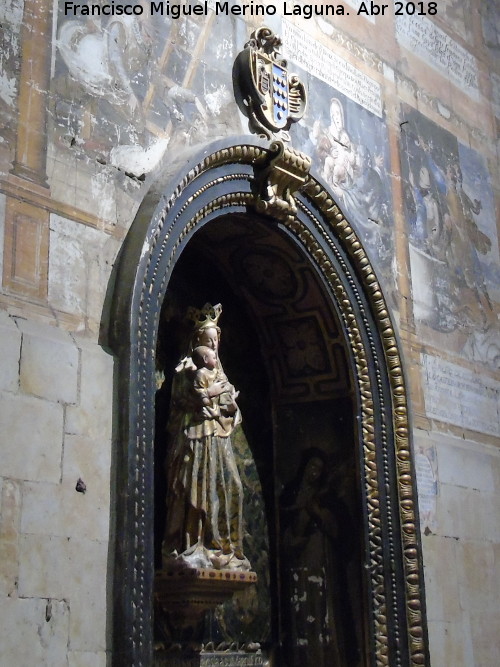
(208, 372)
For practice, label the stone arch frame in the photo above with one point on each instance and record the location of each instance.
(220, 179)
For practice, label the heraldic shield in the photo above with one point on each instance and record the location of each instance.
(269, 95)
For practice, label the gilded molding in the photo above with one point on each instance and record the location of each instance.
(379, 594)
(399, 395)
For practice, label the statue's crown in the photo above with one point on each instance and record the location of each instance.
(206, 317)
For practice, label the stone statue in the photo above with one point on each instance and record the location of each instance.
(204, 525)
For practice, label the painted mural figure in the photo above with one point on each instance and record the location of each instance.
(467, 240)
(112, 62)
(354, 175)
(204, 525)
(106, 60)
(366, 197)
(428, 221)
(320, 628)
(336, 150)
(446, 227)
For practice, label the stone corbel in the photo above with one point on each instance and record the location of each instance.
(278, 181)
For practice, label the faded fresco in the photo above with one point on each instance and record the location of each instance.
(129, 89)
(10, 19)
(426, 469)
(490, 13)
(349, 147)
(456, 14)
(453, 239)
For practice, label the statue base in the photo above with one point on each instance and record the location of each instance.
(182, 595)
(192, 591)
(235, 659)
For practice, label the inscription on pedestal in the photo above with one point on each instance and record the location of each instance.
(212, 660)
(235, 660)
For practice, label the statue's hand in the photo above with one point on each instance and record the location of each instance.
(210, 413)
(218, 388)
(231, 409)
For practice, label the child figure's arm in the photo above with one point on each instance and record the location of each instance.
(201, 385)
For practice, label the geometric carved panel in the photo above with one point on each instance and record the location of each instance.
(299, 331)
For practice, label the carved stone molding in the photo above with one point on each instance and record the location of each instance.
(280, 179)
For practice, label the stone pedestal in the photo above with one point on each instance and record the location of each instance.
(190, 592)
(182, 596)
(234, 659)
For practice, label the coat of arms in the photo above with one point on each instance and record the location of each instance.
(269, 95)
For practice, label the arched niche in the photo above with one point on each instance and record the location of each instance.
(213, 191)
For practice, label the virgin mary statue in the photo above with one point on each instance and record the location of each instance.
(204, 525)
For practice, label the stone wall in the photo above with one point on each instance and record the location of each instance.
(91, 110)
(56, 430)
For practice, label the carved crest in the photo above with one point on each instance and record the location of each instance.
(271, 97)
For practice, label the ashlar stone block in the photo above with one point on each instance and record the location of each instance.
(92, 417)
(466, 513)
(86, 659)
(45, 566)
(486, 638)
(71, 245)
(49, 363)
(10, 344)
(479, 580)
(474, 515)
(99, 274)
(492, 521)
(447, 644)
(449, 510)
(90, 460)
(2, 232)
(10, 509)
(33, 632)
(464, 464)
(441, 579)
(58, 509)
(90, 253)
(496, 474)
(32, 437)
(75, 570)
